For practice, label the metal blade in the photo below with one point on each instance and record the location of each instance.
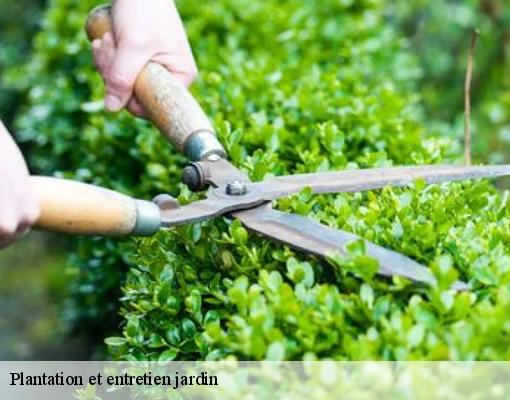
(205, 209)
(368, 179)
(219, 202)
(193, 212)
(309, 236)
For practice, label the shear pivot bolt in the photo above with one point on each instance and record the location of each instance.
(236, 188)
(192, 177)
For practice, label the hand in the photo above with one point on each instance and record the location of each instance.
(143, 31)
(19, 208)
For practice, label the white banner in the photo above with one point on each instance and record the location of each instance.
(254, 380)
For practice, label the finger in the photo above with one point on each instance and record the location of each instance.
(135, 108)
(8, 225)
(104, 52)
(96, 46)
(182, 67)
(186, 78)
(121, 75)
(98, 54)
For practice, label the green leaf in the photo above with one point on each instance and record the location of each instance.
(275, 352)
(415, 335)
(188, 327)
(367, 295)
(168, 355)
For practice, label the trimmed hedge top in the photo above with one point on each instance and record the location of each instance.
(292, 86)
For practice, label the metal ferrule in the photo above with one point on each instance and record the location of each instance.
(148, 219)
(202, 144)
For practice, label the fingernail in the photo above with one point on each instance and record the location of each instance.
(112, 103)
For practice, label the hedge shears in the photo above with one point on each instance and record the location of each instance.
(79, 208)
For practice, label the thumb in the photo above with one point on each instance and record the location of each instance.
(121, 76)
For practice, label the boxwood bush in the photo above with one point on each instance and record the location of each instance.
(291, 86)
(18, 23)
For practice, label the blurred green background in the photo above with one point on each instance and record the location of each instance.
(19, 20)
(33, 284)
(33, 279)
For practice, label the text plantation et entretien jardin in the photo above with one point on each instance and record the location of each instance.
(147, 379)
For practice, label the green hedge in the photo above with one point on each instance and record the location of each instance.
(292, 86)
(18, 23)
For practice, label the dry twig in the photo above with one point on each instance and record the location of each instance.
(467, 99)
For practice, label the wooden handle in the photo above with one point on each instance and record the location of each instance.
(78, 208)
(166, 102)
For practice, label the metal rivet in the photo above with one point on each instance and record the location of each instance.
(213, 157)
(192, 177)
(236, 188)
